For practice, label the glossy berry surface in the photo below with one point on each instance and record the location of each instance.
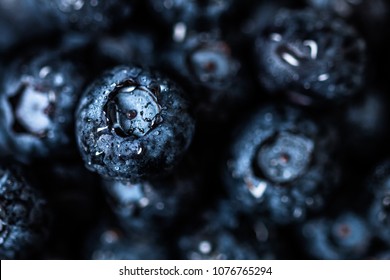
(132, 123)
(281, 164)
(23, 217)
(310, 56)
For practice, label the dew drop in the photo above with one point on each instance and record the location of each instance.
(204, 247)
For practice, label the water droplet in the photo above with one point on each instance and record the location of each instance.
(256, 189)
(290, 59)
(204, 247)
(44, 72)
(284, 199)
(297, 213)
(143, 202)
(323, 77)
(386, 201)
(313, 48)
(102, 129)
(179, 32)
(276, 37)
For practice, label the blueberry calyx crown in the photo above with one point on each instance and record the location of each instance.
(284, 157)
(211, 63)
(33, 102)
(133, 109)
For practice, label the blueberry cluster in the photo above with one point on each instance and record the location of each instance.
(199, 129)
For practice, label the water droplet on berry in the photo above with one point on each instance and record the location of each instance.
(133, 111)
(205, 247)
(179, 32)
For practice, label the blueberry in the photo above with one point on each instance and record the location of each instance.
(133, 124)
(312, 57)
(281, 164)
(39, 96)
(213, 73)
(346, 237)
(24, 220)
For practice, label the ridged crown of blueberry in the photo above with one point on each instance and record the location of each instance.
(133, 109)
(210, 62)
(312, 53)
(34, 90)
(133, 123)
(284, 156)
(349, 231)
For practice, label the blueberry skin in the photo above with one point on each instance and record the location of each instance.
(346, 237)
(281, 164)
(311, 57)
(23, 216)
(119, 142)
(38, 98)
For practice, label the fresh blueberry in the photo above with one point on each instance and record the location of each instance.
(212, 72)
(281, 163)
(346, 237)
(38, 100)
(310, 56)
(133, 124)
(23, 216)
